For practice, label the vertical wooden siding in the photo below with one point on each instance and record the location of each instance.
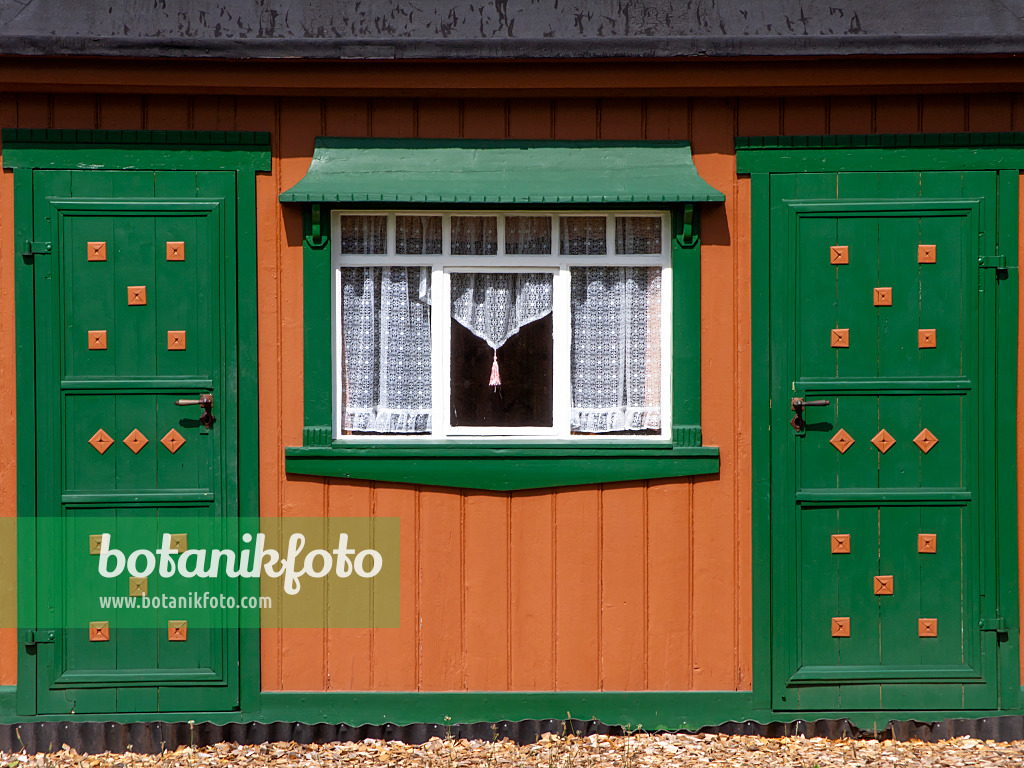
(620, 587)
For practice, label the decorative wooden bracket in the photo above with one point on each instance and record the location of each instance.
(315, 239)
(687, 238)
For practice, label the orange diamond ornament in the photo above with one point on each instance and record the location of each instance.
(883, 441)
(842, 441)
(925, 441)
(101, 441)
(173, 440)
(136, 441)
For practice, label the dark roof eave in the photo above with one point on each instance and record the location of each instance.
(514, 48)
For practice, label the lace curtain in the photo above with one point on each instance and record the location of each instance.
(615, 360)
(385, 349)
(494, 306)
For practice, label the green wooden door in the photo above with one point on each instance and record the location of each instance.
(883, 552)
(134, 310)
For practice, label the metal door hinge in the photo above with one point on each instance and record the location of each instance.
(36, 636)
(36, 247)
(998, 624)
(992, 262)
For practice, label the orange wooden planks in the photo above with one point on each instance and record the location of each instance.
(622, 119)
(624, 587)
(714, 586)
(487, 592)
(485, 118)
(530, 119)
(440, 617)
(395, 664)
(532, 575)
(897, 114)
(669, 603)
(439, 119)
(8, 403)
(349, 650)
(578, 537)
(577, 119)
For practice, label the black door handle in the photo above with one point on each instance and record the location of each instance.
(206, 401)
(798, 404)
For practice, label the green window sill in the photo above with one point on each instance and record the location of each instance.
(506, 468)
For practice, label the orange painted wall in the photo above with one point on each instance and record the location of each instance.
(618, 587)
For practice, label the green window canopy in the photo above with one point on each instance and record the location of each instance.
(429, 171)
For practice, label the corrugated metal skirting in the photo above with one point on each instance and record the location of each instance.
(153, 737)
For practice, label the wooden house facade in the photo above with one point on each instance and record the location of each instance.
(811, 511)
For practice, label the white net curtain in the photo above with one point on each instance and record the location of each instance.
(616, 349)
(615, 321)
(385, 328)
(385, 349)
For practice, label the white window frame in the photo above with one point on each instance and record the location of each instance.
(559, 265)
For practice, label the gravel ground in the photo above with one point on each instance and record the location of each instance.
(636, 751)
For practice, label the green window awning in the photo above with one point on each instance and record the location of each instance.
(413, 171)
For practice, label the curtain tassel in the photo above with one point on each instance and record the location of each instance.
(495, 376)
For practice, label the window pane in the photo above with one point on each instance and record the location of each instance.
(615, 360)
(637, 234)
(501, 351)
(385, 349)
(583, 235)
(474, 235)
(364, 234)
(527, 235)
(417, 235)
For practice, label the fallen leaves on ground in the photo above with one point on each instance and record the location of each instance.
(552, 751)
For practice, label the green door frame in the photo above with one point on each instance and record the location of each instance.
(1004, 153)
(24, 151)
